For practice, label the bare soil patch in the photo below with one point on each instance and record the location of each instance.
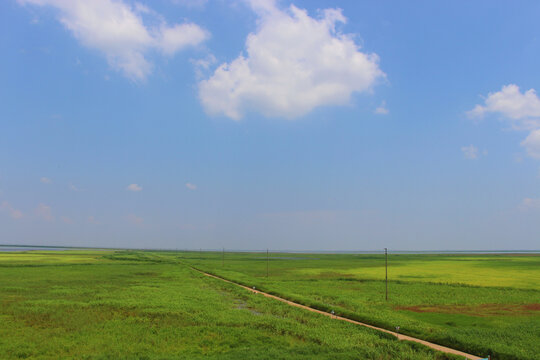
(476, 310)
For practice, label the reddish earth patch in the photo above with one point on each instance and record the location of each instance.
(476, 310)
(517, 254)
(534, 307)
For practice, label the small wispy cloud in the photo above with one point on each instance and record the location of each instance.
(471, 152)
(134, 187)
(45, 180)
(44, 212)
(134, 219)
(190, 3)
(92, 220)
(382, 109)
(530, 203)
(203, 65)
(191, 186)
(14, 213)
(73, 187)
(66, 219)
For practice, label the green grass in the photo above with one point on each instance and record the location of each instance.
(481, 304)
(150, 305)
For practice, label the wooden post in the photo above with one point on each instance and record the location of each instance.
(386, 270)
(267, 262)
(223, 258)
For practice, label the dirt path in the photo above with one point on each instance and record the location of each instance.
(399, 336)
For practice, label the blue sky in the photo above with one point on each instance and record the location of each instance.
(335, 125)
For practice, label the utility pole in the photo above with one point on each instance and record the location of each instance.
(223, 258)
(386, 269)
(267, 262)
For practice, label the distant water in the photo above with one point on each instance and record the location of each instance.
(368, 252)
(359, 252)
(28, 248)
(290, 251)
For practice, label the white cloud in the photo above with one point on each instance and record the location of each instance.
(45, 180)
(382, 109)
(470, 152)
(73, 187)
(293, 64)
(44, 211)
(117, 30)
(191, 186)
(14, 213)
(177, 37)
(134, 219)
(134, 187)
(532, 144)
(521, 109)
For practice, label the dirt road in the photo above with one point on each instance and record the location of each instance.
(399, 336)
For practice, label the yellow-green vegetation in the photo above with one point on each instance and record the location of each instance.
(40, 258)
(151, 305)
(480, 304)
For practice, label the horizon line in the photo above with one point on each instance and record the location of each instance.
(318, 251)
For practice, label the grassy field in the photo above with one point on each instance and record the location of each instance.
(481, 304)
(150, 305)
